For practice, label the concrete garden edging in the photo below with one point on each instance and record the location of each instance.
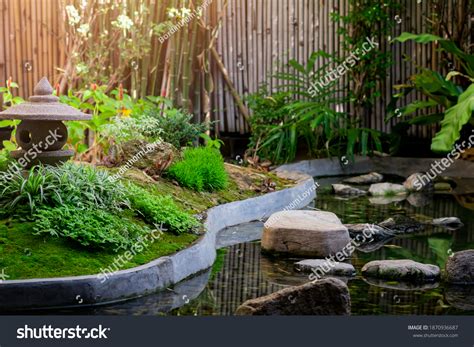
(16, 295)
(385, 165)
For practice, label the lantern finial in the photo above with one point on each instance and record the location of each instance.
(43, 87)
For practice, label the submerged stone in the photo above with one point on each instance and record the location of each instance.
(322, 266)
(345, 190)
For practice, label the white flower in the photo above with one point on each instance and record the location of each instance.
(83, 29)
(123, 22)
(82, 68)
(73, 15)
(173, 12)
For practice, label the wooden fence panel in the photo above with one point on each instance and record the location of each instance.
(257, 38)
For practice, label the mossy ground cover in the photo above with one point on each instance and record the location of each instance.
(24, 255)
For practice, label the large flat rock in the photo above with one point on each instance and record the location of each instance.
(312, 234)
(329, 296)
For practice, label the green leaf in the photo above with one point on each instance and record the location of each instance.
(419, 38)
(9, 146)
(455, 118)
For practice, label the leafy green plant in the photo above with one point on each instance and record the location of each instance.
(175, 126)
(212, 143)
(141, 127)
(298, 113)
(7, 95)
(456, 103)
(161, 210)
(81, 186)
(366, 19)
(89, 227)
(201, 169)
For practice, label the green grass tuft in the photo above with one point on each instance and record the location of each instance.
(201, 169)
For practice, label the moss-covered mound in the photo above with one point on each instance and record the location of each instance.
(124, 224)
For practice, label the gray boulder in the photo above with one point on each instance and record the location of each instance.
(321, 267)
(387, 189)
(401, 270)
(369, 178)
(460, 267)
(328, 296)
(304, 233)
(418, 182)
(345, 190)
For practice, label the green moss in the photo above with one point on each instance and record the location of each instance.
(24, 255)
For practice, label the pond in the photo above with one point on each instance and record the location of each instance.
(245, 273)
(241, 272)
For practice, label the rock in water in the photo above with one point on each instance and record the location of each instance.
(345, 190)
(418, 182)
(370, 178)
(460, 267)
(368, 232)
(384, 189)
(324, 267)
(400, 224)
(304, 233)
(401, 270)
(448, 222)
(328, 296)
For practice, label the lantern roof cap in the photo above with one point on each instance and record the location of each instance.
(43, 105)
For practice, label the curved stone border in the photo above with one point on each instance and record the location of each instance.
(385, 165)
(158, 274)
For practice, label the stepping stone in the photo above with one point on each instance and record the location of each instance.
(314, 234)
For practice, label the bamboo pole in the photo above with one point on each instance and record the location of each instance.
(243, 110)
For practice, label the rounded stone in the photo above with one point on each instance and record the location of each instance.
(460, 267)
(401, 270)
(328, 296)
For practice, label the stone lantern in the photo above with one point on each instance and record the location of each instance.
(42, 134)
